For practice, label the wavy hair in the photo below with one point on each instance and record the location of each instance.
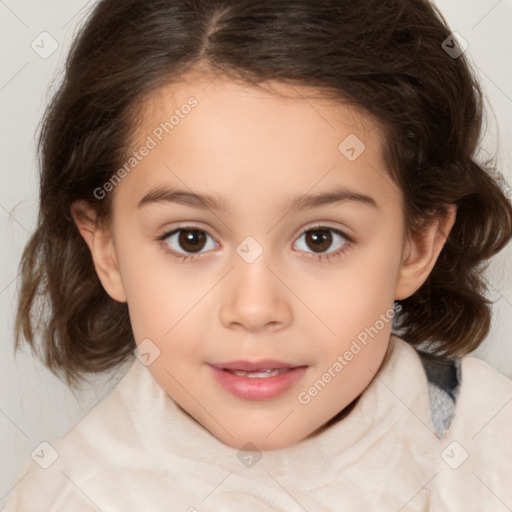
(386, 58)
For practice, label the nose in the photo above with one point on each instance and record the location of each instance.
(255, 298)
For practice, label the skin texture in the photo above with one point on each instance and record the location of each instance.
(257, 149)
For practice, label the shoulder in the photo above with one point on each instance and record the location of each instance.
(488, 378)
(104, 438)
(480, 394)
(485, 397)
(476, 452)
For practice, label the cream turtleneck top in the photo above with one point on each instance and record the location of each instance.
(138, 451)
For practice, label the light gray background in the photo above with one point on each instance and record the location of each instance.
(34, 405)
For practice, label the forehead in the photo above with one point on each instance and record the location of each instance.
(224, 97)
(240, 134)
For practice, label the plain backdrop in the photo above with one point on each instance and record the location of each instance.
(35, 406)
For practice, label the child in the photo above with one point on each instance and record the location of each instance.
(278, 204)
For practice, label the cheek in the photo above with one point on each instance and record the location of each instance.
(150, 287)
(352, 293)
(356, 303)
(166, 302)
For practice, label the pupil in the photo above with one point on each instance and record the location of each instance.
(320, 242)
(191, 238)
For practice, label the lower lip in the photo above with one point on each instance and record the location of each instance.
(258, 388)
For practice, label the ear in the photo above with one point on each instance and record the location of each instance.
(420, 254)
(103, 252)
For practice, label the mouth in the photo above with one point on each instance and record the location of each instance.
(262, 373)
(262, 380)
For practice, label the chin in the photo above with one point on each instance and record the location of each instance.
(263, 444)
(260, 439)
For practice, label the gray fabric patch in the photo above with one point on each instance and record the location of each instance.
(444, 379)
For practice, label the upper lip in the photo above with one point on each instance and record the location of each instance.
(256, 365)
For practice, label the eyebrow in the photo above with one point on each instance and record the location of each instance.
(161, 194)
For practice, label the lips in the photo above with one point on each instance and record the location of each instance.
(258, 380)
(261, 373)
(247, 366)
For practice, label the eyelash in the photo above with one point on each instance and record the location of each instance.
(317, 256)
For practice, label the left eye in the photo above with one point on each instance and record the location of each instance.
(321, 238)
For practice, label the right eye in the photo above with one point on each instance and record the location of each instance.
(189, 239)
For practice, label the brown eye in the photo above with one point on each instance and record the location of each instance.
(185, 241)
(191, 240)
(319, 239)
(323, 241)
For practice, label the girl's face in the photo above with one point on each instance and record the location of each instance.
(257, 232)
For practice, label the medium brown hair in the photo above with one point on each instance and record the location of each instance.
(386, 58)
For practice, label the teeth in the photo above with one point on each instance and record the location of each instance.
(260, 373)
